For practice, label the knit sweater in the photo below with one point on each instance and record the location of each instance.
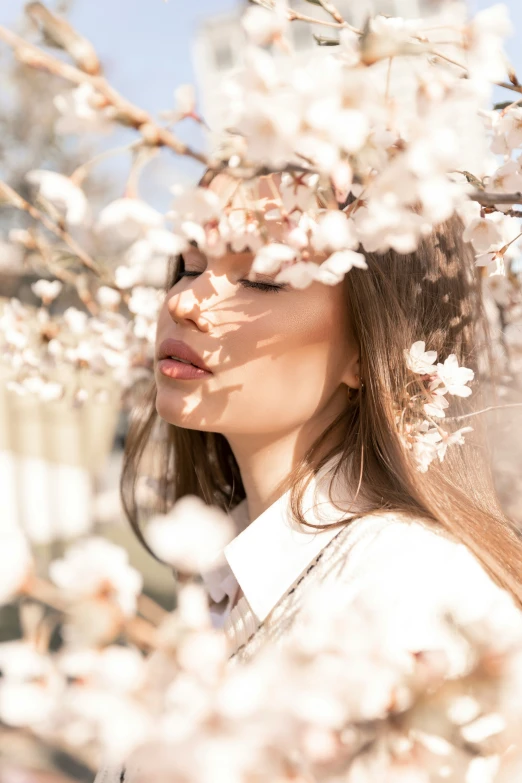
(409, 568)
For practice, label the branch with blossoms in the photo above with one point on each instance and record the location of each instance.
(419, 420)
(165, 698)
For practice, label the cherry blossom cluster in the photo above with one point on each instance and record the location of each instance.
(46, 354)
(332, 704)
(419, 420)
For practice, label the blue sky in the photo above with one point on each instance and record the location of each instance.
(145, 46)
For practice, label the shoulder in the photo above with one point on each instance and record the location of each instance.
(412, 573)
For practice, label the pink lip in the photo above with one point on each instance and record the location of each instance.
(176, 348)
(183, 372)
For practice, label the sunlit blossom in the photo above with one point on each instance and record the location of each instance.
(96, 567)
(62, 194)
(191, 535)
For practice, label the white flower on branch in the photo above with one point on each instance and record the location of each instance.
(262, 26)
(145, 301)
(508, 128)
(47, 290)
(425, 448)
(486, 59)
(126, 278)
(185, 99)
(82, 111)
(115, 668)
(126, 220)
(494, 263)
(297, 192)
(507, 178)
(335, 231)
(454, 379)
(300, 275)
(76, 320)
(152, 253)
(436, 406)
(61, 192)
(482, 233)
(96, 568)
(16, 562)
(189, 537)
(108, 297)
(269, 258)
(419, 360)
(29, 688)
(333, 270)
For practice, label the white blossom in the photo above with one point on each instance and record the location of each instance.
(419, 360)
(96, 567)
(270, 257)
(145, 301)
(61, 193)
(80, 113)
(263, 26)
(185, 99)
(454, 378)
(47, 290)
(191, 535)
(108, 297)
(127, 219)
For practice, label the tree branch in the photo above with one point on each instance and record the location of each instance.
(332, 10)
(128, 113)
(15, 200)
(490, 199)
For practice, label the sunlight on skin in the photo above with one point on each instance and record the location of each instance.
(282, 361)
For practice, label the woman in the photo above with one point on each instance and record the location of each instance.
(291, 424)
(293, 428)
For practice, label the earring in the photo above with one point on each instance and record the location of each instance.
(360, 382)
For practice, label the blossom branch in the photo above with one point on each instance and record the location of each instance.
(15, 200)
(296, 16)
(127, 112)
(67, 277)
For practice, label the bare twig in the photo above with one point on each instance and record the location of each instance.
(128, 113)
(332, 10)
(295, 16)
(490, 199)
(484, 410)
(509, 86)
(150, 610)
(80, 173)
(44, 592)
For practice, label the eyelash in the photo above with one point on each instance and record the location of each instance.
(246, 283)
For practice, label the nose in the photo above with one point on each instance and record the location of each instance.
(183, 307)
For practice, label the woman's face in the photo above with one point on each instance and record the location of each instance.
(280, 358)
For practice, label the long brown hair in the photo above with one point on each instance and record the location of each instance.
(433, 294)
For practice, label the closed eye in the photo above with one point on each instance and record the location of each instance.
(244, 283)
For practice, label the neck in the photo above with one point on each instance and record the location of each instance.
(265, 460)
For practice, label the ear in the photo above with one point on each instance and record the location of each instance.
(352, 373)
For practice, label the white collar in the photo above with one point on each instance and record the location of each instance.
(270, 553)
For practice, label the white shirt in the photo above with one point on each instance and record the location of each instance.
(269, 554)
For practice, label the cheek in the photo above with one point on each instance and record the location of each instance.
(289, 363)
